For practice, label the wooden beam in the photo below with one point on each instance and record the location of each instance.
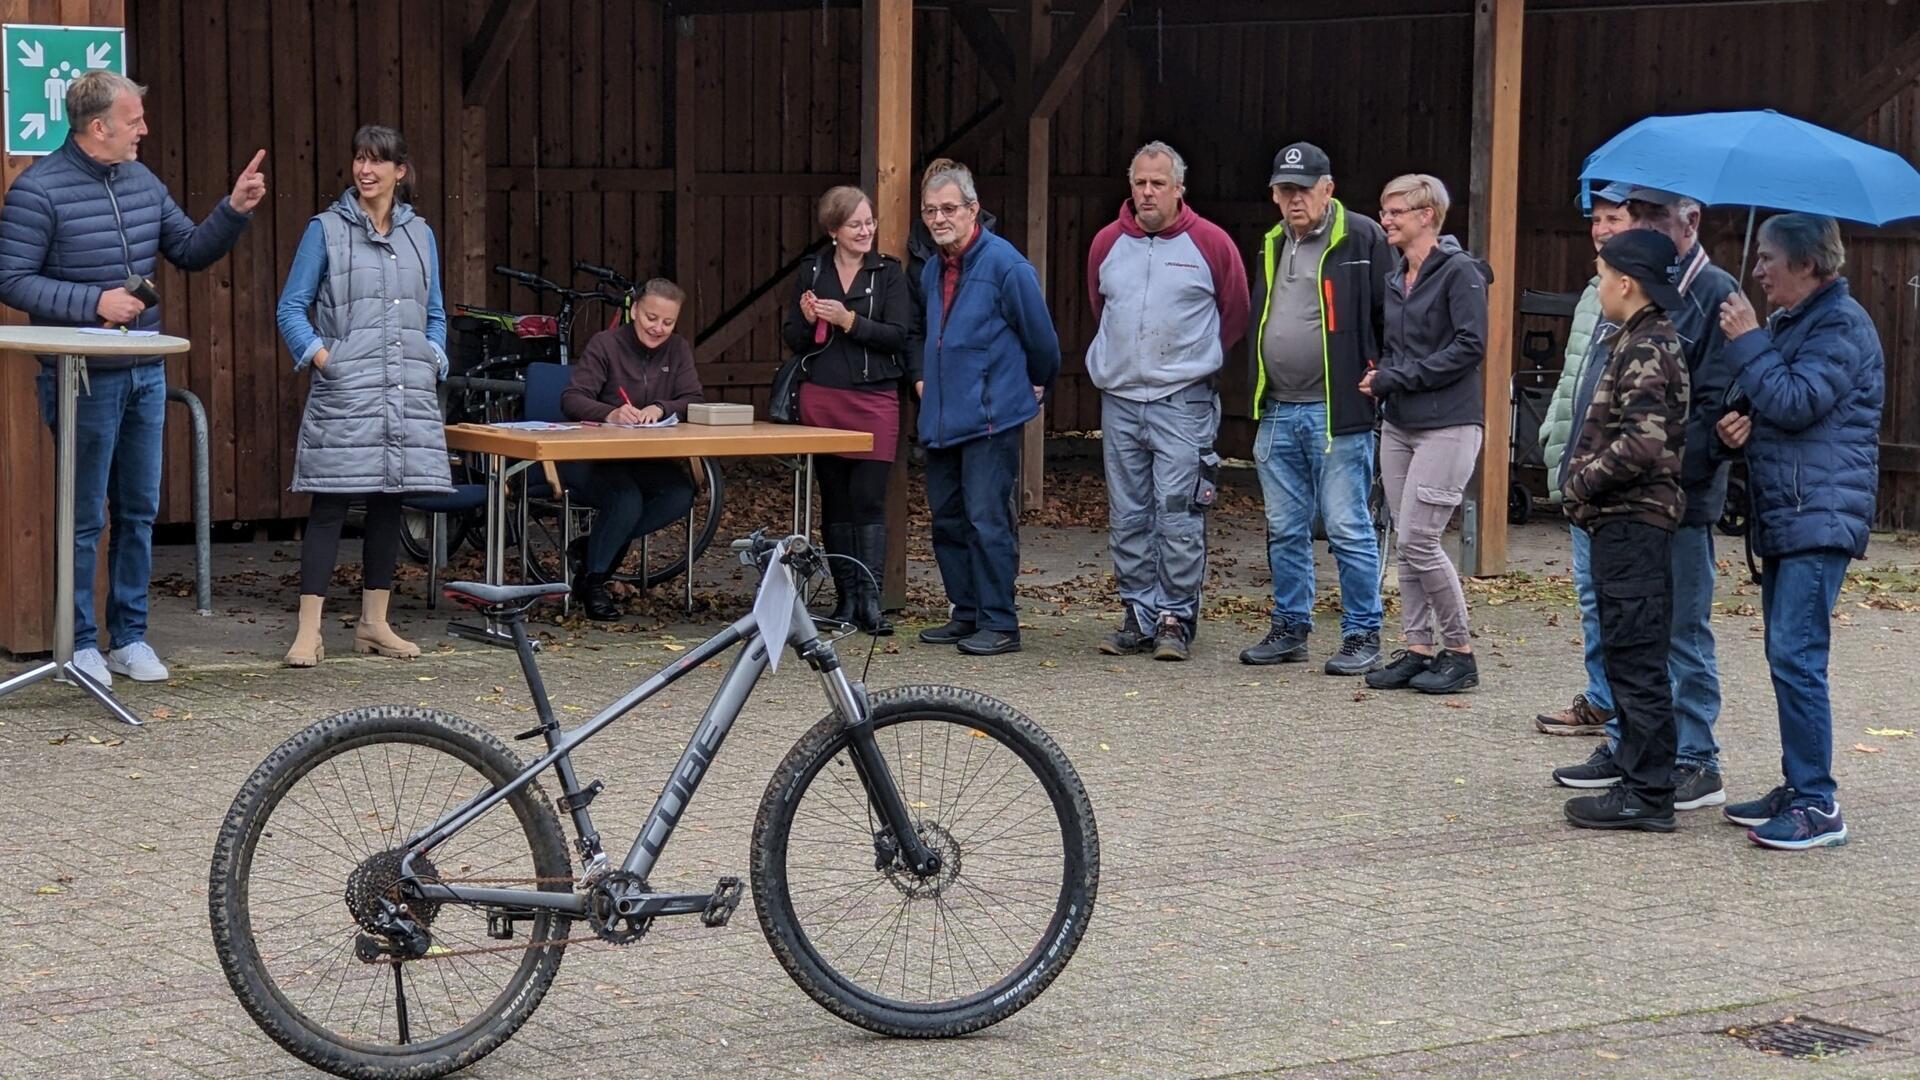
(743, 320)
(1896, 71)
(989, 43)
(1495, 213)
(485, 58)
(1065, 63)
(1039, 167)
(886, 166)
(686, 116)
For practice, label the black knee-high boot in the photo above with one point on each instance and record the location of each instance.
(839, 540)
(870, 547)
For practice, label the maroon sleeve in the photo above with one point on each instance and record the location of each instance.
(684, 389)
(1229, 281)
(1103, 242)
(581, 399)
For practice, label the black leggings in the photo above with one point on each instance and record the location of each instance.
(852, 491)
(321, 547)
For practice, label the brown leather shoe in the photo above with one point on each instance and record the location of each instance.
(1579, 718)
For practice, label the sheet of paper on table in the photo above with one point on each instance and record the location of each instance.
(532, 425)
(117, 331)
(667, 421)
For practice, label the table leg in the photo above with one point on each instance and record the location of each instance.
(68, 373)
(806, 500)
(690, 558)
(488, 633)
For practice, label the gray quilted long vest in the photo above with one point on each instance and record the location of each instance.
(373, 419)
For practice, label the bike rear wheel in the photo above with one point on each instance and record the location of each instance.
(977, 941)
(310, 846)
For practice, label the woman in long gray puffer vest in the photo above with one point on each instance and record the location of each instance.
(369, 270)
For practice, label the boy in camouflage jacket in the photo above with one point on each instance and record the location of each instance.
(1623, 486)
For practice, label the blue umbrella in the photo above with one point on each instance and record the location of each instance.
(1761, 159)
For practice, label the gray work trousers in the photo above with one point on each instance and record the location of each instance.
(1155, 454)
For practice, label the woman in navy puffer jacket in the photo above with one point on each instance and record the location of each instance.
(1806, 406)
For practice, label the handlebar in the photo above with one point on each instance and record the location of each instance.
(531, 281)
(610, 276)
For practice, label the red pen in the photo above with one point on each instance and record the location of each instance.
(624, 397)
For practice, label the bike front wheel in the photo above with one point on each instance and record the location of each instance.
(313, 844)
(974, 943)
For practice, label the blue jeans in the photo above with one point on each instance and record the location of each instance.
(1300, 474)
(1691, 665)
(1599, 694)
(1797, 594)
(976, 529)
(117, 442)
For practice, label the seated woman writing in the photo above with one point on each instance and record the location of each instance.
(636, 374)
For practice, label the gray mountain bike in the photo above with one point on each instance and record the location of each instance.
(391, 893)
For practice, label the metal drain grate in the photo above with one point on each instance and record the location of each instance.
(1799, 1038)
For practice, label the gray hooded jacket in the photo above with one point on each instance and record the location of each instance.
(373, 420)
(1435, 341)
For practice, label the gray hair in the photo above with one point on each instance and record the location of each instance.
(1156, 148)
(944, 171)
(91, 96)
(1807, 240)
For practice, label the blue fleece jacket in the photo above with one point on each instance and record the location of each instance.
(982, 360)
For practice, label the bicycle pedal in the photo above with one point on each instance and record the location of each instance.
(726, 897)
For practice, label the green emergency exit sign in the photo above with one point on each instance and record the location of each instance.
(41, 62)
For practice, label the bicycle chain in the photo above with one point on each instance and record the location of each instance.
(441, 952)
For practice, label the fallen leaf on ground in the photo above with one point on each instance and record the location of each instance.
(161, 712)
(1863, 748)
(1890, 732)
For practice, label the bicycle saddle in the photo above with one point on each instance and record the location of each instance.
(479, 594)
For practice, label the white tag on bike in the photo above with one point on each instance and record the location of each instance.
(773, 606)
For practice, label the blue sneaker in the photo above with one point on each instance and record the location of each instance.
(1757, 812)
(1802, 827)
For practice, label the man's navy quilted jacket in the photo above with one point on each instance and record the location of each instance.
(73, 228)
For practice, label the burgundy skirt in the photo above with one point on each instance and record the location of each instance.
(877, 411)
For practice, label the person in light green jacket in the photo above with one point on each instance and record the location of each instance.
(1590, 709)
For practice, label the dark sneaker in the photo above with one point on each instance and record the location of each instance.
(1579, 718)
(1617, 810)
(1695, 786)
(1761, 810)
(1359, 654)
(1171, 642)
(1449, 673)
(1280, 646)
(1597, 771)
(1127, 640)
(949, 634)
(990, 642)
(1400, 671)
(1801, 827)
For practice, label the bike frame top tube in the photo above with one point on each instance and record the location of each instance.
(702, 747)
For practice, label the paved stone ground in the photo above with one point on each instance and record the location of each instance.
(1298, 880)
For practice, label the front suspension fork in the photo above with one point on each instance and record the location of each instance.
(850, 702)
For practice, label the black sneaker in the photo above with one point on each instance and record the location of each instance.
(1616, 809)
(949, 634)
(1449, 673)
(1695, 786)
(1597, 771)
(1359, 654)
(1400, 671)
(1127, 640)
(990, 642)
(1280, 646)
(1759, 811)
(1171, 643)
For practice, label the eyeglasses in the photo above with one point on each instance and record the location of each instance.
(1389, 213)
(862, 226)
(947, 210)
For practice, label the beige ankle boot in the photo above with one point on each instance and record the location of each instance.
(373, 635)
(307, 649)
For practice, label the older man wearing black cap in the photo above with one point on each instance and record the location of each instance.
(1323, 273)
(1623, 486)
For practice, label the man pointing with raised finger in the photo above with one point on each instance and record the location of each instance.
(80, 236)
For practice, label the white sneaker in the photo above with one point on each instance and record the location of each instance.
(93, 665)
(138, 663)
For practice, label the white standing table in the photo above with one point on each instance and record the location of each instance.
(73, 347)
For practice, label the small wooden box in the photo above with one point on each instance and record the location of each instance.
(719, 412)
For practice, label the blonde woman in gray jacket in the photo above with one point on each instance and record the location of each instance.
(362, 308)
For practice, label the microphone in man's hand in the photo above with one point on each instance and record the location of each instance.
(142, 290)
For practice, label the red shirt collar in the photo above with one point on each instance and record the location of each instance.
(954, 259)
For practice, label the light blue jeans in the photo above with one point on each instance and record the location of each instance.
(1301, 474)
(1598, 693)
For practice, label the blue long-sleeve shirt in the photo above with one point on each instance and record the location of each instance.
(303, 283)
